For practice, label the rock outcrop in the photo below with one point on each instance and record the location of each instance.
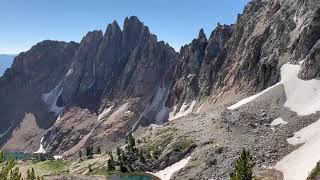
(21, 88)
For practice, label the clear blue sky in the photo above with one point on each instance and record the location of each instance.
(26, 22)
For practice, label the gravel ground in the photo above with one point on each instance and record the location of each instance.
(220, 135)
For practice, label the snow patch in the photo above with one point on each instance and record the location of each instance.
(299, 163)
(184, 110)
(105, 112)
(166, 173)
(41, 150)
(163, 114)
(91, 84)
(57, 157)
(70, 71)
(155, 110)
(58, 119)
(128, 112)
(278, 121)
(6, 132)
(305, 134)
(303, 96)
(250, 98)
(51, 99)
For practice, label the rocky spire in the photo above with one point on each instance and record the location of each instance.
(202, 36)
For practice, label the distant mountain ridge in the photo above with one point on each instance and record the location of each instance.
(5, 62)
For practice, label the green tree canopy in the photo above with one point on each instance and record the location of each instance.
(243, 167)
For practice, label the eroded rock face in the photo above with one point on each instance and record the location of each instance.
(122, 77)
(32, 74)
(112, 83)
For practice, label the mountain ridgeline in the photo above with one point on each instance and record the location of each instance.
(66, 95)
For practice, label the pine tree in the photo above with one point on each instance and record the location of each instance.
(15, 174)
(90, 168)
(141, 157)
(1, 156)
(111, 163)
(243, 167)
(118, 152)
(131, 143)
(89, 152)
(98, 150)
(80, 155)
(4, 173)
(31, 175)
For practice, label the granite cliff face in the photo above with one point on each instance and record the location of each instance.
(108, 85)
(24, 116)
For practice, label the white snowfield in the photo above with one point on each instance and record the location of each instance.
(41, 150)
(303, 96)
(104, 113)
(299, 163)
(278, 121)
(6, 132)
(183, 111)
(249, 99)
(70, 71)
(51, 99)
(166, 173)
(157, 105)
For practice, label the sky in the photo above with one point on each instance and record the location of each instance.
(27, 22)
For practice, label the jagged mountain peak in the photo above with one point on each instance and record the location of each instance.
(111, 84)
(202, 36)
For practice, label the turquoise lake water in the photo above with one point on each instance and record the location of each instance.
(132, 177)
(18, 155)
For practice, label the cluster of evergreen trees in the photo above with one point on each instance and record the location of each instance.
(90, 152)
(125, 158)
(8, 170)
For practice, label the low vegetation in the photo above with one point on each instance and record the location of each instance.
(52, 166)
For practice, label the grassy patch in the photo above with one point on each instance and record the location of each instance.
(169, 129)
(183, 145)
(56, 166)
(161, 142)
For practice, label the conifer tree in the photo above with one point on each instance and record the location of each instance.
(131, 143)
(80, 154)
(31, 175)
(4, 173)
(141, 157)
(1, 156)
(111, 163)
(243, 167)
(98, 150)
(89, 152)
(15, 174)
(90, 168)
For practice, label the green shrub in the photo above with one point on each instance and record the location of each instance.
(243, 167)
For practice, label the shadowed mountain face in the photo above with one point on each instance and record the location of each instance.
(108, 85)
(5, 62)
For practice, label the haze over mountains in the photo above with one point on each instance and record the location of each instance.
(64, 96)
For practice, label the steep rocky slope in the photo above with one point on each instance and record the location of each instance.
(110, 84)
